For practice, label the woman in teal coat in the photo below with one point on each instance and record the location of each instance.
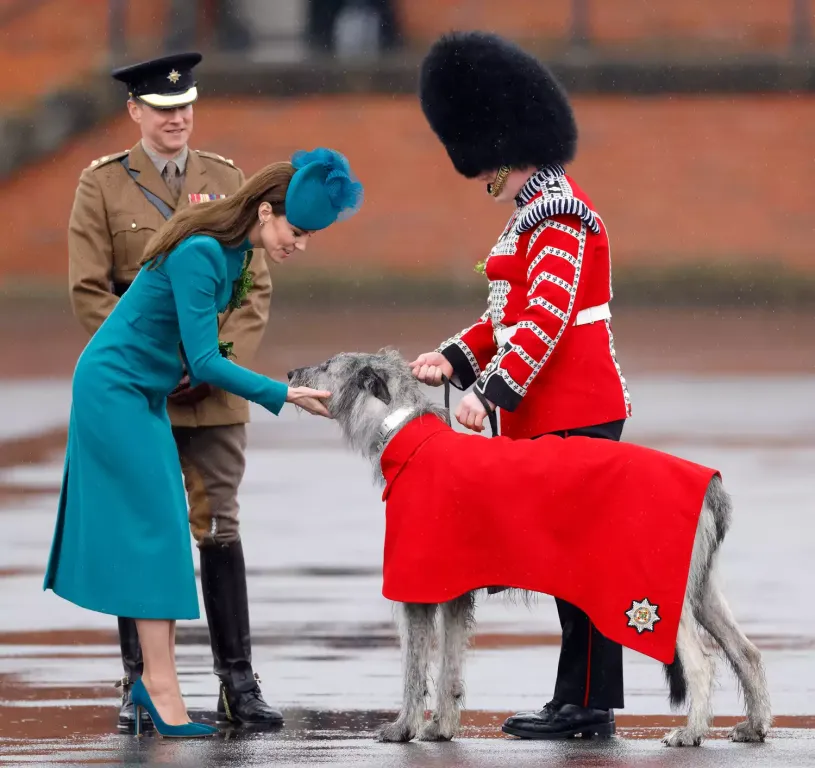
(121, 544)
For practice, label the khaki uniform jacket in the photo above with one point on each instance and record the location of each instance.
(111, 222)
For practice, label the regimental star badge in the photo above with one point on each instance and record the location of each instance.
(642, 616)
(173, 77)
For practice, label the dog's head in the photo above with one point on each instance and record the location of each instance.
(364, 388)
(350, 376)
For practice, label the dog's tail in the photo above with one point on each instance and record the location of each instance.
(716, 515)
(677, 684)
(721, 505)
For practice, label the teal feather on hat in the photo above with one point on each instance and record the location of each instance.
(323, 189)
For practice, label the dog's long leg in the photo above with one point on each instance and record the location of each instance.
(457, 622)
(698, 667)
(713, 613)
(418, 624)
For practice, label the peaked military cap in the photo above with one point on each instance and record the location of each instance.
(163, 83)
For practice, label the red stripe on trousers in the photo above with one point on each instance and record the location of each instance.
(588, 670)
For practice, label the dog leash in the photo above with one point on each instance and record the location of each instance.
(490, 413)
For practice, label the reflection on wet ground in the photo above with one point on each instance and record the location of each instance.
(324, 638)
(346, 739)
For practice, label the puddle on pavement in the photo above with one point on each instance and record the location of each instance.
(24, 719)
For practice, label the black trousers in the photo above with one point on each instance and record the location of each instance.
(590, 670)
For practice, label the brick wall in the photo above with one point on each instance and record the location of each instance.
(678, 180)
(54, 44)
(732, 24)
(59, 41)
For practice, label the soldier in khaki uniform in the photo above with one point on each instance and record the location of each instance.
(122, 199)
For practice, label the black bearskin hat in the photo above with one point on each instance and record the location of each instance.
(492, 104)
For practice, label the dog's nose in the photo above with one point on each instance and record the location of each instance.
(290, 374)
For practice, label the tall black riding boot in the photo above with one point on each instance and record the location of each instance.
(133, 668)
(223, 583)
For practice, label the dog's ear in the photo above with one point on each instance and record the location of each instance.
(390, 352)
(392, 355)
(369, 380)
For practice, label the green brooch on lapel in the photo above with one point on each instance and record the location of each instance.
(240, 290)
(481, 268)
(242, 286)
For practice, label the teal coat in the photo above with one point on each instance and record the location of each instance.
(122, 543)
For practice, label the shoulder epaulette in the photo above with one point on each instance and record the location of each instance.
(213, 156)
(548, 193)
(100, 161)
(542, 208)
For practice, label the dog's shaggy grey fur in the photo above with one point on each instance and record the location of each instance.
(368, 388)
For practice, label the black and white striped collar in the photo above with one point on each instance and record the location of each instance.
(535, 183)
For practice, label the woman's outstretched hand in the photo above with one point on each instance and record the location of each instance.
(309, 400)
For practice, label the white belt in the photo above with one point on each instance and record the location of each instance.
(584, 317)
(593, 314)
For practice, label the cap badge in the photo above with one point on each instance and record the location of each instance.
(173, 77)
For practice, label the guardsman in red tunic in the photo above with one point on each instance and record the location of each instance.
(542, 354)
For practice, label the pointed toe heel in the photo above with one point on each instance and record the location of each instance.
(142, 701)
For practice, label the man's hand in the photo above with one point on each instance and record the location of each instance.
(471, 413)
(184, 394)
(429, 367)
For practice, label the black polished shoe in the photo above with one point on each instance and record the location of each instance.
(127, 716)
(133, 667)
(561, 721)
(223, 583)
(246, 707)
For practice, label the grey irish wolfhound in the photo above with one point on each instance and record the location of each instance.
(373, 395)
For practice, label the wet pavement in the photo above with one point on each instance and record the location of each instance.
(325, 746)
(324, 639)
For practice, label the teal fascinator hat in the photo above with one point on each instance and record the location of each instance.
(322, 190)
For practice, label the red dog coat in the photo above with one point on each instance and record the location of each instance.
(606, 526)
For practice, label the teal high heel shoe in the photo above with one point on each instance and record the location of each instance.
(142, 700)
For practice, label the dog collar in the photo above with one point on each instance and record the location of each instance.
(392, 422)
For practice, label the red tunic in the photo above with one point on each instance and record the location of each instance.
(551, 262)
(603, 525)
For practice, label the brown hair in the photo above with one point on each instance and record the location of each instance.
(227, 220)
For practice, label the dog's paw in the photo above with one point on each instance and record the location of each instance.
(745, 733)
(682, 737)
(398, 732)
(433, 731)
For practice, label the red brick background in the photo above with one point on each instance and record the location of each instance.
(726, 180)
(57, 42)
(54, 44)
(690, 24)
